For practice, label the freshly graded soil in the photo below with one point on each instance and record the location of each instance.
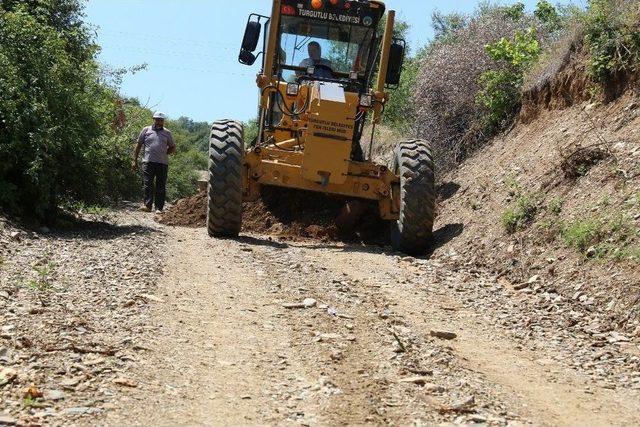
(293, 214)
(189, 212)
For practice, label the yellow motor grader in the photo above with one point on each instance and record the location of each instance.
(316, 97)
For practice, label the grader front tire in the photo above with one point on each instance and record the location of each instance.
(412, 233)
(226, 152)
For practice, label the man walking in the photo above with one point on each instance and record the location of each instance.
(158, 145)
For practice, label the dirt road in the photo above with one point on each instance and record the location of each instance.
(372, 349)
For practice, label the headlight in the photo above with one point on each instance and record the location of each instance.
(366, 100)
(353, 75)
(293, 89)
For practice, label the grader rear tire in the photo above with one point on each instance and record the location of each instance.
(413, 231)
(226, 152)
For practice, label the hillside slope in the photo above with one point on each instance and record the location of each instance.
(554, 206)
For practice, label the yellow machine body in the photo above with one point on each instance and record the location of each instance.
(313, 150)
(329, 134)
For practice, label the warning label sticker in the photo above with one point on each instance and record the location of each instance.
(330, 127)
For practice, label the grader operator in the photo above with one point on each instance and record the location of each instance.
(316, 98)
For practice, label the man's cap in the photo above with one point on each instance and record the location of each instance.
(159, 115)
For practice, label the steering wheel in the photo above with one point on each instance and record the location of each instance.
(324, 67)
(316, 68)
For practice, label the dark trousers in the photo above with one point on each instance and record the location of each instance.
(154, 172)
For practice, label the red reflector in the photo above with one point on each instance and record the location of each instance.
(288, 10)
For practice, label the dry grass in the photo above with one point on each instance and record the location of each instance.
(445, 96)
(385, 141)
(555, 58)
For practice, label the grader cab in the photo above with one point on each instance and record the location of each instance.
(317, 96)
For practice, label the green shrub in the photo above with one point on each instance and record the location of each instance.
(515, 11)
(582, 234)
(499, 95)
(612, 36)
(500, 89)
(604, 238)
(520, 215)
(58, 134)
(51, 107)
(555, 206)
(66, 136)
(183, 173)
(548, 15)
(399, 112)
(251, 130)
(192, 133)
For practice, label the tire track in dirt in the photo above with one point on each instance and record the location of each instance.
(376, 358)
(230, 353)
(220, 350)
(538, 387)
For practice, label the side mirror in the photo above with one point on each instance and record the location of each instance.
(246, 57)
(251, 36)
(250, 43)
(396, 60)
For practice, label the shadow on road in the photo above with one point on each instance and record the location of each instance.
(447, 190)
(99, 230)
(441, 237)
(261, 241)
(444, 235)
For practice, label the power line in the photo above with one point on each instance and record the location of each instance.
(182, 68)
(165, 39)
(168, 52)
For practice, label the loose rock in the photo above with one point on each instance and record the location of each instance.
(420, 380)
(7, 420)
(126, 382)
(309, 302)
(69, 383)
(445, 335)
(464, 404)
(151, 298)
(293, 305)
(54, 395)
(7, 375)
(329, 337)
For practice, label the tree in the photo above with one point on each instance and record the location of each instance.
(445, 25)
(51, 108)
(65, 133)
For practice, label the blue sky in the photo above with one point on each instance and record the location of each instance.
(191, 48)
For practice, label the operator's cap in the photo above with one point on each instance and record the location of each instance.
(159, 115)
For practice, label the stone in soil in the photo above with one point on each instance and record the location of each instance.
(54, 395)
(445, 335)
(420, 380)
(7, 420)
(126, 382)
(81, 410)
(69, 383)
(7, 375)
(465, 403)
(293, 305)
(309, 302)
